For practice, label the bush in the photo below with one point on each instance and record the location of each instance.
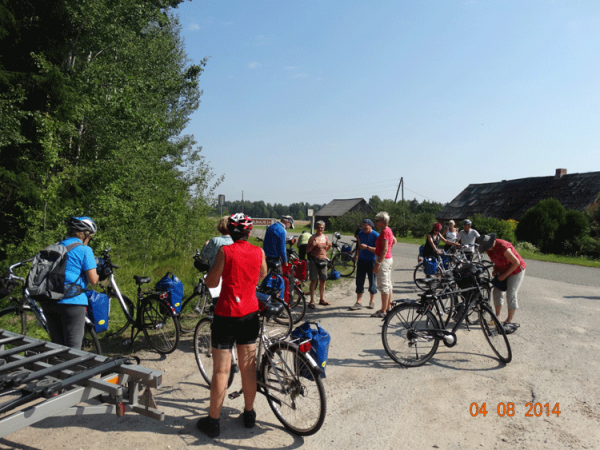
(540, 224)
(504, 229)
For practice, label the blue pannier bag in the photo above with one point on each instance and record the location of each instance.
(173, 285)
(98, 310)
(319, 342)
(430, 265)
(346, 248)
(445, 261)
(274, 281)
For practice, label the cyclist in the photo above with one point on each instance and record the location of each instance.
(365, 261)
(241, 265)
(66, 318)
(212, 246)
(302, 243)
(467, 236)
(274, 242)
(433, 240)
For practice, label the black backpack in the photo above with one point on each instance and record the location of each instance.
(46, 279)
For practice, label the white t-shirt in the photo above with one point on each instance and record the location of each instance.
(451, 236)
(468, 239)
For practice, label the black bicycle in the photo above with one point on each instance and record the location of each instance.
(412, 333)
(152, 315)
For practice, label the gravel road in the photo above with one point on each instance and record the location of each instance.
(374, 403)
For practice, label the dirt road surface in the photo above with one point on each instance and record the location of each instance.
(374, 403)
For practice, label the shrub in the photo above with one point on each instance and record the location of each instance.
(540, 224)
(504, 229)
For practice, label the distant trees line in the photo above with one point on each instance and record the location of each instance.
(261, 209)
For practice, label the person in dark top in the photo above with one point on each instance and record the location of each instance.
(433, 240)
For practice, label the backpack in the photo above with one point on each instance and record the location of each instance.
(46, 279)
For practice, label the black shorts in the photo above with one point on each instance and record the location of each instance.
(226, 331)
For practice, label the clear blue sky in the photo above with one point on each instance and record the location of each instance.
(307, 101)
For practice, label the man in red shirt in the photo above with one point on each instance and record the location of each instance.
(241, 265)
(509, 266)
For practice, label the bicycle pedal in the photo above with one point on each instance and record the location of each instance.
(126, 343)
(234, 395)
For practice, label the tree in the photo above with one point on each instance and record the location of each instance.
(540, 223)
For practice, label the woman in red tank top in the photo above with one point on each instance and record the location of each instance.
(241, 265)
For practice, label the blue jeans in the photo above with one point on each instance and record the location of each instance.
(364, 268)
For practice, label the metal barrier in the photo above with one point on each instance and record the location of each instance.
(39, 379)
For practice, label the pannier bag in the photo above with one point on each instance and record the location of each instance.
(335, 275)
(319, 342)
(346, 248)
(173, 285)
(430, 265)
(445, 261)
(300, 270)
(274, 281)
(466, 276)
(98, 310)
(46, 278)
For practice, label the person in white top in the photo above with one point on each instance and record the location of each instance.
(467, 236)
(451, 235)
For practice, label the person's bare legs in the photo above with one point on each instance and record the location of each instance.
(385, 298)
(359, 298)
(321, 291)
(247, 362)
(218, 386)
(313, 285)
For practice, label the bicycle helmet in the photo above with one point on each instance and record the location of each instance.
(289, 219)
(437, 226)
(239, 224)
(84, 224)
(467, 222)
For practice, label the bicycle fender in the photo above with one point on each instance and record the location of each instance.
(314, 364)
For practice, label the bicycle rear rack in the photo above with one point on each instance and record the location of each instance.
(32, 370)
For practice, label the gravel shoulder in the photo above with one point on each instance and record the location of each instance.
(374, 403)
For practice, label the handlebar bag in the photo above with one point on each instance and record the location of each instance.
(173, 285)
(300, 270)
(98, 310)
(319, 342)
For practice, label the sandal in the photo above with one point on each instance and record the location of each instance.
(510, 328)
(324, 303)
(312, 306)
(378, 314)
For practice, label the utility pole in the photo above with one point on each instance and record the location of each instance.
(242, 202)
(396, 199)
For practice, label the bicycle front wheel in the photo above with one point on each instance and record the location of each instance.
(192, 312)
(280, 327)
(203, 351)
(424, 281)
(344, 264)
(159, 326)
(494, 333)
(91, 343)
(407, 335)
(294, 391)
(22, 320)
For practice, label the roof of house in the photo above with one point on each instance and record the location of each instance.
(339, 207)
(511, 199)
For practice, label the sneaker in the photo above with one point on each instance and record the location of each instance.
(378, 314)
(371, 305)
(356, 306)
(249, 418)
(209, 426)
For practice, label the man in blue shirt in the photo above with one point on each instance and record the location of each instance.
(365, 261)
(274, 242)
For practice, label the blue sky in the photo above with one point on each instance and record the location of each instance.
(307, 101)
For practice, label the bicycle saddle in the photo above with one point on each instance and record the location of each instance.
(141, 280)
(269, 309)
(274, 266)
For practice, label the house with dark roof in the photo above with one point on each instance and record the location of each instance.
(339, 207)
(511, 199)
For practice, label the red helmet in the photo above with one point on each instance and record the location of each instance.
(437, 226)
(239, 224)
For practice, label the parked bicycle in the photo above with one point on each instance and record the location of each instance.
(152, 315)
(411, 331)
(286, 374)
(341, 257)
(25, 316)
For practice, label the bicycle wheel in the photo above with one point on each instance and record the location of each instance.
(407, 336)
(279, 327)
(22, 320)
(192, 312)
(494, 333)
(473, 315)
(203, 351)
(299, 308)
(91, 343)
(424, 281)
(160, 328)
(447, 303)
(294, 391)
(344, 264)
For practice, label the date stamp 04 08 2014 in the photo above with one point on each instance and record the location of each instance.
(508, 409)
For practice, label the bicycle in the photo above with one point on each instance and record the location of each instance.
(153, 315)
(341, 258)
(26, 317)
(287, 375)
(411, 332)
(189, 316)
